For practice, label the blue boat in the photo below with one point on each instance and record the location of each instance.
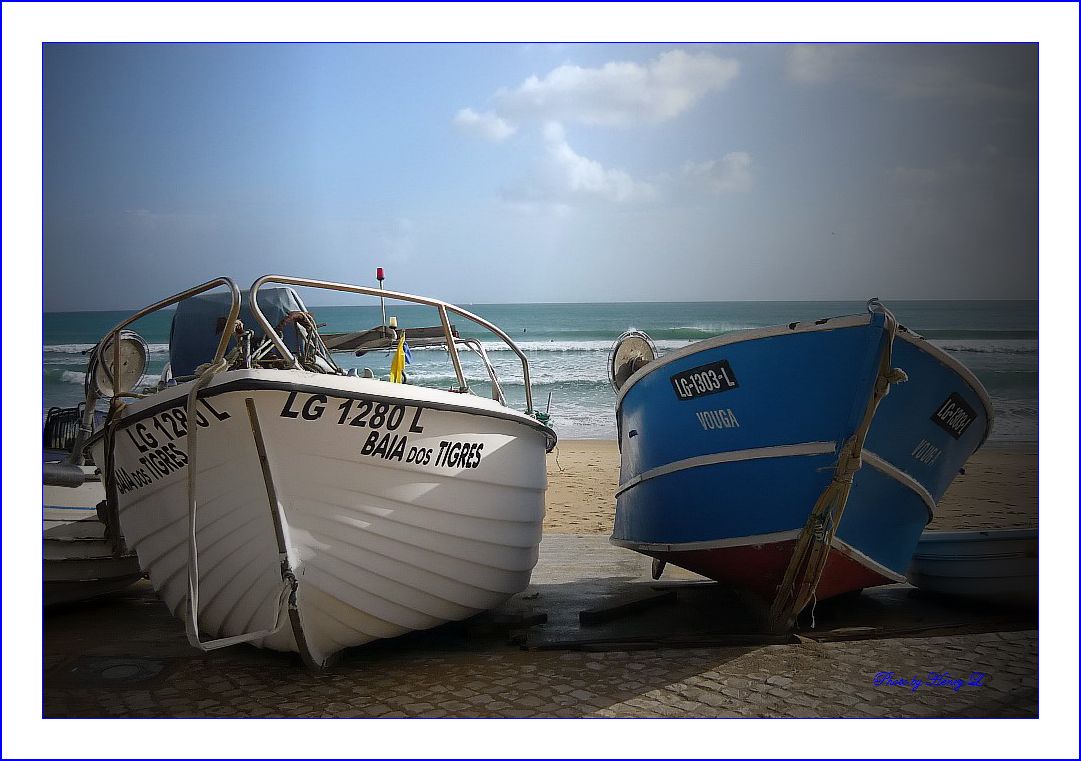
(798, 462)
(998, 566)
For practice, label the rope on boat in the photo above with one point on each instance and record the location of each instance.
(191, 626)
(812, 548)
(108, 510)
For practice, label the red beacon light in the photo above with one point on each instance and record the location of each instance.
(382, 306)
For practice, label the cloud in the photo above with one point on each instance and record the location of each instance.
(585, 177)
(619, 92)
(487, 125)
(615, 94)
(730, 174)
(566, 178)
(965, 73)
(818, 64)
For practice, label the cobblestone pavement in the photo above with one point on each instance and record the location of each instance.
(802, 680)
(127, 657)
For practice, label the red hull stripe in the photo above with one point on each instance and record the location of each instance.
(761, 567)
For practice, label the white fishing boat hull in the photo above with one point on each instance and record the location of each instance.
(998, 566)
(398, 507)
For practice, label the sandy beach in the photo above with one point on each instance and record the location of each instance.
(997, 490)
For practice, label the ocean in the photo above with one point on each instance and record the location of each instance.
(568, 345)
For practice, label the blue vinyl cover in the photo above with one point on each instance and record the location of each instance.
(198, 323)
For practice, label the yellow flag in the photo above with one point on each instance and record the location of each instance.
(397, 365)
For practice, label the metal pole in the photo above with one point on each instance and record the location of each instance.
(449, 333)
(382, 306)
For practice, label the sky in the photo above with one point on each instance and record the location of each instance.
(837, 172)
(495, 173)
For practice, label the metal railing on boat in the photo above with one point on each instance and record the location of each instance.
(441, 306)
(286, 602)
(114, 335)
(288, 581)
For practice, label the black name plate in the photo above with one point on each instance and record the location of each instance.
(705, 380)
(954, 416)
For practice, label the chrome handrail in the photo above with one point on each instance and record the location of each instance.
(226, 334)
(442, 306)
(476, 346)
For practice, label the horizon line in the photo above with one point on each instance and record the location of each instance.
(607, 303)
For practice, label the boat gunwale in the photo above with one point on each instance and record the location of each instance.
(830, 323)
(249, 382)
(739, 336)
(979, 535)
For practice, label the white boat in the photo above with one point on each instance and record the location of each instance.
(79, 560)
(999, 566)
(304, 508)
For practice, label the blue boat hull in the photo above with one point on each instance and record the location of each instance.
(998, 566)
(727, 444)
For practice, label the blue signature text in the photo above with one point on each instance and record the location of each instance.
(934, 679)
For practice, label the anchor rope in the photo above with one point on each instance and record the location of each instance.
(205, 374)
(812, 548)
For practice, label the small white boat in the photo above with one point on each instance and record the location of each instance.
(999, 566)
(79, 561)
(277, 499)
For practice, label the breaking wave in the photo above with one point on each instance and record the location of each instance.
(553, 346)
(158, 348)
(1009, 346)
(959, 334)
(56, 375)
